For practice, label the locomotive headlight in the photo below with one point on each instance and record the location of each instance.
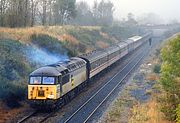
(51, 96)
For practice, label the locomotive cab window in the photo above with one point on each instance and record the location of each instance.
(48, 80)
(35, 80)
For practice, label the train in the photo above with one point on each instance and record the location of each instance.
(57, 83)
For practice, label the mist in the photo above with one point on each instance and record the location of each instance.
(167, 10)
(43, 57)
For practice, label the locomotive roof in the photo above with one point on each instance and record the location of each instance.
(75, 63)
(59, 68)
(50, 70)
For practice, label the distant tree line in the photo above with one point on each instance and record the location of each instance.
(100, 14)
(23, 13)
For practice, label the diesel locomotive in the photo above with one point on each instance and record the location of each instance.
(59, 82)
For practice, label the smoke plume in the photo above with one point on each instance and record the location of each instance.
(44, 57)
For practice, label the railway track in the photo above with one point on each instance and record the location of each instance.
(36, 116)
(24, 119)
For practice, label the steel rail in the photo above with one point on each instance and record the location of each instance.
(27, 117)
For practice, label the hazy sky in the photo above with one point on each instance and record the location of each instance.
(166, 9)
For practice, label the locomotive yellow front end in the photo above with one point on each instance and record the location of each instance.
(42, 88)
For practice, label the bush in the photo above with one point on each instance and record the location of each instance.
(157, 68)
(120, 32)
(14, 69)
(89, 38)
(169, 77)
(12, 92)
(48, 43)
(52, 45)
(178, 114)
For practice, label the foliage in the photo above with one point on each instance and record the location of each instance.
(178, 114)
(103, 13)
(13, 63)
(120, 32)
(23, 13)
(12, 92)
(64, 10)
(75, 39)
(89, 38)
(49, 43)
(14, 70)
(84, 16)
(170, 75)
(157, 68)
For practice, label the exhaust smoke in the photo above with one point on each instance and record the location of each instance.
(44, 57)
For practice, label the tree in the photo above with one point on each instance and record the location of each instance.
(131, 20)
(64, 10)
(95, 12)
(3, 9)
(44, 4)
(103, 13)
(84, 15)
(26, 13)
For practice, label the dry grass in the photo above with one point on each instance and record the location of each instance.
(61, 33)
(6, 115)
(147, 113)
(102, 44)
(152, 77)
(24, 34)
(119, 107)
(68, 38)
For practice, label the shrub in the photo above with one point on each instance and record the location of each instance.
(14, 70)
(178, 114)
(89, 38)
(170, 73)
(52, 45)
(120, 32)
(12, 92)
(49, 43)
(157, 68)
